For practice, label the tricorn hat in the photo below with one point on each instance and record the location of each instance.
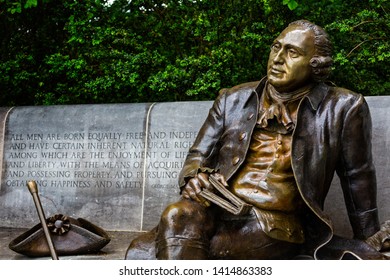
(70, 237)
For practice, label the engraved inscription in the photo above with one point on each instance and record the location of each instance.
(95, 160)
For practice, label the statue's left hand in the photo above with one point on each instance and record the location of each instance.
(381, 240)
(195, 185)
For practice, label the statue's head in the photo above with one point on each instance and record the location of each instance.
(300, 55)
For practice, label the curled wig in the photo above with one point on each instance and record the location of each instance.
(322, 61)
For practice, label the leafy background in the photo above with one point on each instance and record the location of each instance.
(91, 51)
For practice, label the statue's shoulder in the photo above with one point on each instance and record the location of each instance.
(344, 94)
(243, 88)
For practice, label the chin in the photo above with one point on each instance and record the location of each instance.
(277, 84)
(282, 86)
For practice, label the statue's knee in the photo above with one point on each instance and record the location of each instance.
(187, 219)
(183, 212)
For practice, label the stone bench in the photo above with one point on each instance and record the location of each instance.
(116, 165)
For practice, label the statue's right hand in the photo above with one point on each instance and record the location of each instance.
(194, 186)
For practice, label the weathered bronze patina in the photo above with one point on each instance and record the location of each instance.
(275, 145)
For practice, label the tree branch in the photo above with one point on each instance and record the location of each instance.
(363, 22)
(361, 43)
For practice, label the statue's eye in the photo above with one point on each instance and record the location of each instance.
(275, 47)
(293, 53)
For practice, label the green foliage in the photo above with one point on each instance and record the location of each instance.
(363, 52)
(17, 6)
(291, 4)
(68, 52)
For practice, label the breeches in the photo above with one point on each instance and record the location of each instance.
(188, 230)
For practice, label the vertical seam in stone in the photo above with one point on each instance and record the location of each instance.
(147, 126)
(2, 140)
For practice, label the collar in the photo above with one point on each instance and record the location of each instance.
(315, 96)
(282, 108)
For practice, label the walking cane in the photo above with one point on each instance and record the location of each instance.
(33, 188)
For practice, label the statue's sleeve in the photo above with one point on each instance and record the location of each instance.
(357, 174)
(202, 156)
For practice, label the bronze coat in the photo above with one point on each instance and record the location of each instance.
(333, 133)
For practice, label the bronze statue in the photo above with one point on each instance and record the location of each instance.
(272, 147)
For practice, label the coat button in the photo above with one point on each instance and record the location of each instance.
(242, 136)
(236, 160)
(250, 116)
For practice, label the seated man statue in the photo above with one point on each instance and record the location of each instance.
(274, 146)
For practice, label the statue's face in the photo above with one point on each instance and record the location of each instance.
(288, 64)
